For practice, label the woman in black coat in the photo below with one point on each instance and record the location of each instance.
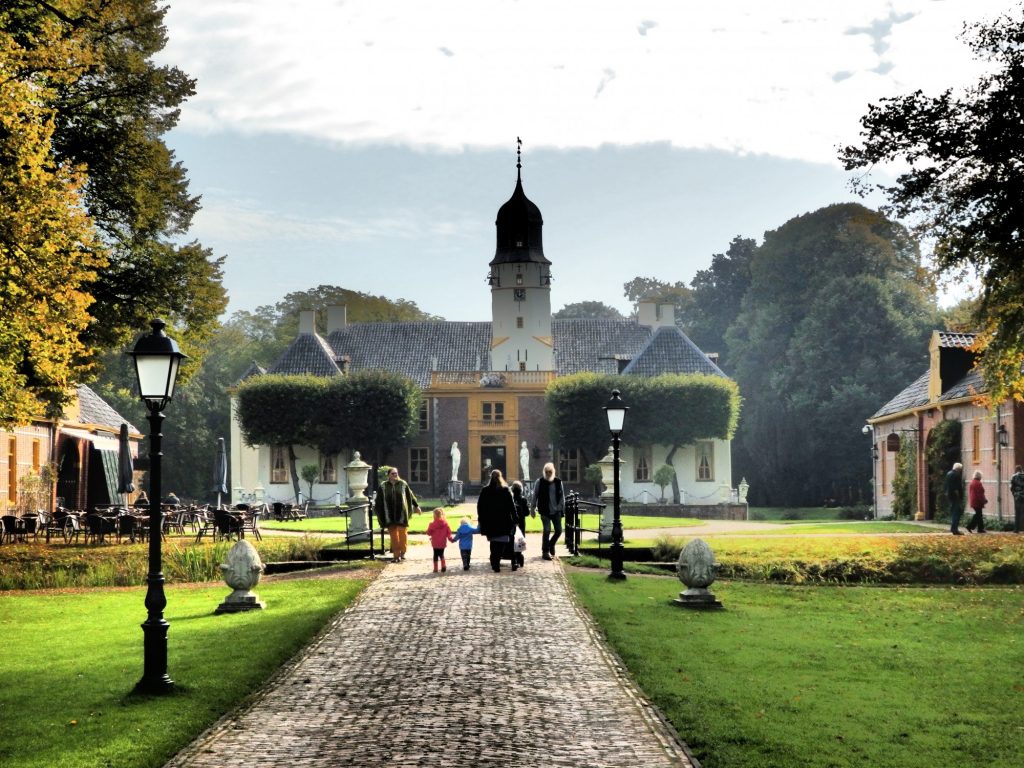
(496, 517)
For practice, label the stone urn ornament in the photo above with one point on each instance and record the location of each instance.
(696, 569)
(242, 572)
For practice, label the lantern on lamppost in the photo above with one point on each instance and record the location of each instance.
(615, 410)
(157, 360)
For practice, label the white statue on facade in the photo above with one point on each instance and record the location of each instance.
(524, 461)
(456, 460)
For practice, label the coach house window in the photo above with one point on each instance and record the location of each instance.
(976, 439)
(278, 465)
(328, 469)
(493, 411)
(424, 416)
(569, 465)
(705, 461)
(419, 465)
(642, 463)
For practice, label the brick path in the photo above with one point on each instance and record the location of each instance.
(459, 669)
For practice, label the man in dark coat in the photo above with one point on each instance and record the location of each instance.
(1017, 491)
(954, 488)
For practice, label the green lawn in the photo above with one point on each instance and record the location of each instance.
(826, 677)
(71, 659)
(419, 523)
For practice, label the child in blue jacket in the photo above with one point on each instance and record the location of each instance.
(464, 535)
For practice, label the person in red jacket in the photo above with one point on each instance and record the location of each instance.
(976, 500)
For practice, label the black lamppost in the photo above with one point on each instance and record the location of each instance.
(867, 429)
(1003, 441)
(156, 365)
(616, 413)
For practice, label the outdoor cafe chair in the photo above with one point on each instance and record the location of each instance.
(98, 526)
(251, 522)
(131, 527)
(228, 524)
(30, 525)
(62, 523)
(12, 531)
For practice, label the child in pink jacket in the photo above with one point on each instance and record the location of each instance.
(440, 534)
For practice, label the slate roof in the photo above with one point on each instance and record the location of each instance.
(669, 350)
(309, 353)
(255, 369)
(595, 345)
(916, 395)
(414, 349)
(93, 409)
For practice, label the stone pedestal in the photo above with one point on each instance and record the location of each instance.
(607, 465)
(356, 473)
(698, 598)
(242, 572)
(696, 569)
(455, 491)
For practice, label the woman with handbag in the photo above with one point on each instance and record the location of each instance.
(549, 499)
(496, 518)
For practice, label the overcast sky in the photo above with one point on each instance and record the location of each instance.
(370, 144)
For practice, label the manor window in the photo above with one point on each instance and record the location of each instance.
(278, 465)
(569, 465)
(705, 461)
(328, 469)
(492, 411)
(424, 417)
(419, 465)
(642, 461)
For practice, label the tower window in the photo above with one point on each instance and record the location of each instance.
(519, 279)
(519, 243)
(519, 322)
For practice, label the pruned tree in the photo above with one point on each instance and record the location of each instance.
(671, 409)
(282, 411)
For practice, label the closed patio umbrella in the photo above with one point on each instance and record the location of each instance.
(125, 466)
(220, 470)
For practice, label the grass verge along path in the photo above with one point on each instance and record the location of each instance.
(72, 658)
(826, 677)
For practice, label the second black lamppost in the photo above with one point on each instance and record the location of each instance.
(157, 359)
(616, 413)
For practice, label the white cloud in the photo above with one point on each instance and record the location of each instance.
(789, 79)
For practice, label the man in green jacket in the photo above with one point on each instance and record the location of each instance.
(393, 502)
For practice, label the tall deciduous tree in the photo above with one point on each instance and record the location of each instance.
(592, 310)
(112, 104)
(718, 293)
(835, 322)
(651, 289)
(48, 257)
(964, 188)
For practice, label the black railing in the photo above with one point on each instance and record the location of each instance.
(358, 535)
(575, 508)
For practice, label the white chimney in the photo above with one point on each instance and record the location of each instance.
(307, 321)
(656, 315)
(337, 319)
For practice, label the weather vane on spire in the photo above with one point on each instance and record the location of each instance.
(519, 154)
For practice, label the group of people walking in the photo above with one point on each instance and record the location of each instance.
(502, 512)
(976, 499)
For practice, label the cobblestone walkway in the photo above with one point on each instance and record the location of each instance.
(465, 668)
